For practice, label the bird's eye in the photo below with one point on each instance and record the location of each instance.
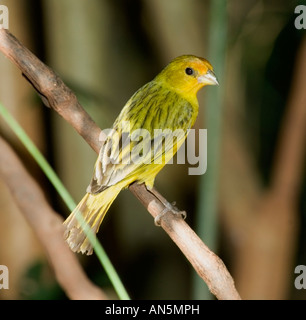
(189, 71)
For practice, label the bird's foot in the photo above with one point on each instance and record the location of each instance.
(169, 207)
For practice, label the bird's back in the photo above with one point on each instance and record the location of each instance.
(144, 129)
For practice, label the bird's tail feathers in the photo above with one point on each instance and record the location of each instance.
(92, 208)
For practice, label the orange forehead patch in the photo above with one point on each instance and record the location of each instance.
(201, 65)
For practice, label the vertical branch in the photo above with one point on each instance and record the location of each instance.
(207, 211)
(288, 165)
(265, 262)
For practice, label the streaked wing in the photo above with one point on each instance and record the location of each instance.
(134, 143)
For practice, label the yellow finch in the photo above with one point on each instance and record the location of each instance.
(132, 150)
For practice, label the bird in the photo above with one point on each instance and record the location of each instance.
(132, 151)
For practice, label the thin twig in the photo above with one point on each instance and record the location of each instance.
(58, 96)
(47, 225)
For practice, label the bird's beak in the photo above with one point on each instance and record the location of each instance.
(208, 79)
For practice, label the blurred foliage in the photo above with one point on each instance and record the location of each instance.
(38, 283)
(275, 89)
(105, 50)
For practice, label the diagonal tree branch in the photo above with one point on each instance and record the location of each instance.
(59, 97)
(47, 225)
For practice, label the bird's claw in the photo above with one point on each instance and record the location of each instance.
(169, 207)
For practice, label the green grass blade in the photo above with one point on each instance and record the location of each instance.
(58, 185)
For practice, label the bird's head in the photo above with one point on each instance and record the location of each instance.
(187, 74)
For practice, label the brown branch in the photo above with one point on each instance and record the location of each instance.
(47, 224)
(207, 264)
(56, 95)
(288, 166)
(268, 220)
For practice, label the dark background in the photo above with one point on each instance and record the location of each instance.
(105, 50)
